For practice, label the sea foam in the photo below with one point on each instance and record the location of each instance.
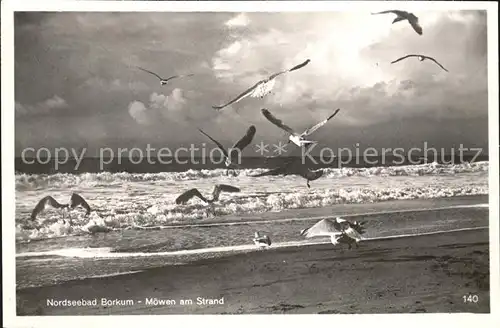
(59, 180)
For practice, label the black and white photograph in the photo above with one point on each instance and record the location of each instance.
(250, 158)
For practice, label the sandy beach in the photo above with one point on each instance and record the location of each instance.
(429, 273)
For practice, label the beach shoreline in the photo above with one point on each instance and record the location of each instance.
(429, 273)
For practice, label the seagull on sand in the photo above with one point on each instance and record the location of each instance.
(49, 201)
(421, 58)
(404, 15)
(298, 139)
(339, 230)
(262, 241)
(292, 167)
(230, 157)
(187, 195)
(164, 81)
(353, 229)
(261, 88)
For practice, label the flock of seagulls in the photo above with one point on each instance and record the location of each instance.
(339, 230)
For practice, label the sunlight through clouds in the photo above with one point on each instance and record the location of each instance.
(90, 60)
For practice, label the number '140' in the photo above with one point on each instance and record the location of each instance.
(470, 298)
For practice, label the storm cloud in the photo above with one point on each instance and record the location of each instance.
(76, 78)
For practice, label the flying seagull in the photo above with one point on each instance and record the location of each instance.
(421, 58)
(261, 88)
(293, 167)
(338, 230)
(404, 15)
(231, 156)
(49, 201)
(164, 81)
(187, 195)
(298, 139)
(262, 241)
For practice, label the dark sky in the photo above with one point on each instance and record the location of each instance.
(76, 83)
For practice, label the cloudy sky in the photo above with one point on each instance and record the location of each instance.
(77, 85)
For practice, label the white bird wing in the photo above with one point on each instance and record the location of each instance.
(296, 67)
(262, 88)
(320, 124)
(248, 92)
(324, 227)
(353, 234)
(276, 121)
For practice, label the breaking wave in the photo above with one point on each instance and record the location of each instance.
(122, 201)
(164, 213)
(26, 182)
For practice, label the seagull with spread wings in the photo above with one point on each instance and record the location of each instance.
(261, 241)
(339, 230)
(298, 139)
(164, 81)
(49, 201)
(187, 195)
(421, 58)
(230, 156)
(261, 88)
(404, 15)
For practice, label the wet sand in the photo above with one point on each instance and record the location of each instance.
(419, 274)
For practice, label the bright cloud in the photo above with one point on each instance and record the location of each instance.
(239, 20)
(352, 52)
(159, 107)
(45, 107)
(89, 60)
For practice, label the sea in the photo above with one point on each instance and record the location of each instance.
(135, 223)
